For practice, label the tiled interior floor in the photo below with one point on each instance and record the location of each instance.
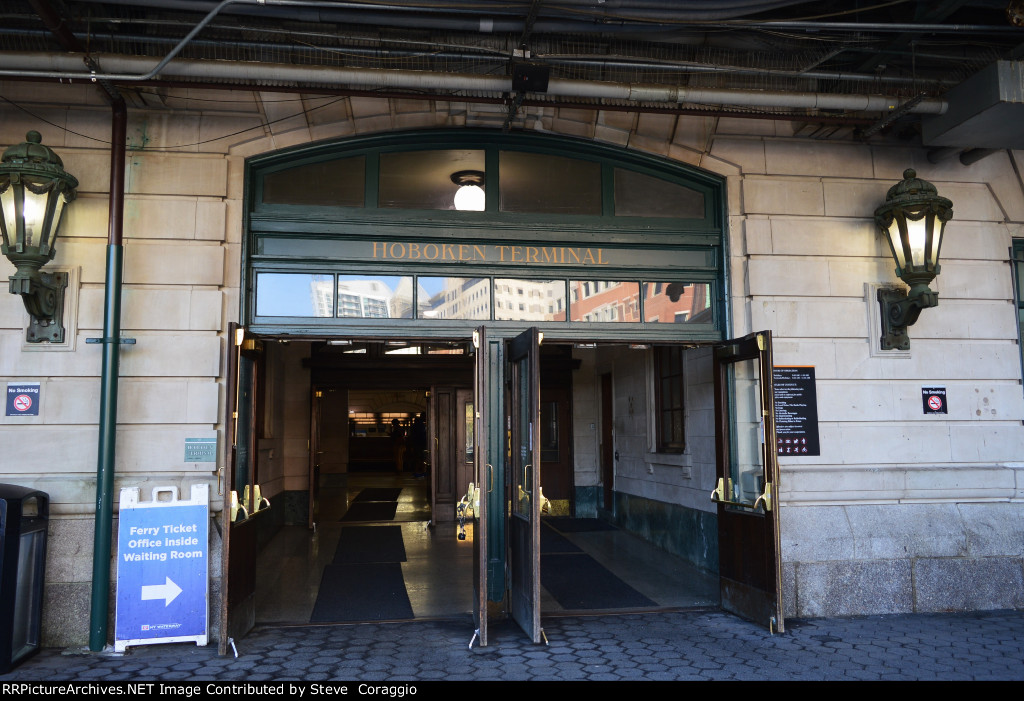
(439, 568)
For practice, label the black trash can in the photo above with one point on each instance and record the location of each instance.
(24, 514)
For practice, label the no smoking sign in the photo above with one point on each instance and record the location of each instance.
(934, 400)
(23, 399)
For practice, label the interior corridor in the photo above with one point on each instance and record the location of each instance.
(427, 572)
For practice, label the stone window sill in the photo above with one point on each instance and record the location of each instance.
(678, 460)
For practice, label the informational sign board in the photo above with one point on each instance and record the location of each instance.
(162, 568)
(933, 400)
(200, 450)
(796, 410)
(23, 398)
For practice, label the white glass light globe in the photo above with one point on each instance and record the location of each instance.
(470, 198)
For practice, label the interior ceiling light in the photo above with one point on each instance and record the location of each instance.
(1015, 13)
(470, 196)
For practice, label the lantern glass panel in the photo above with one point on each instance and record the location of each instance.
(933, 253)
(35, 216)
(917, 236)
(7, 202)
(58, 211)
(896, 242)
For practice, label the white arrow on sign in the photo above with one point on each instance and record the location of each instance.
(168, 591)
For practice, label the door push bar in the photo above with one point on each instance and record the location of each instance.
(718, 495)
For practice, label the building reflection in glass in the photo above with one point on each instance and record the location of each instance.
(677, 303)
(374, 297)
(529, 300)
(454, 298)
(294, 294)
(604, 300)
(504, 299)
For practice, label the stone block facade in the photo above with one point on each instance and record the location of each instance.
(900, 512)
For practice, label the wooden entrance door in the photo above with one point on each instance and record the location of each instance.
(238, 564)
(747, 493)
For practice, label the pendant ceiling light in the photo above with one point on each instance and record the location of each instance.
(470, 196)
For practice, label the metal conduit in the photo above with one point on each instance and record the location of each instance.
(62, 67)
(587, 15)
(586, 62)
(597, 22)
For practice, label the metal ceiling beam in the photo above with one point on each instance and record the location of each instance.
(932, 16)
(586, 61)
(498, 17)
(443, 85)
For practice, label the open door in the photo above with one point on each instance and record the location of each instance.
(483, 475)
(315, 398)
(524, 463)
(748, 481)
(238, 571)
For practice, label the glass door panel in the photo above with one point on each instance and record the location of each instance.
(746, 437)
(524, 521)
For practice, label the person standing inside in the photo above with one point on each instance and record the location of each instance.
(398, 444)
(418, 445)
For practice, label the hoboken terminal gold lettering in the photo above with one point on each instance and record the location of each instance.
(463, 252)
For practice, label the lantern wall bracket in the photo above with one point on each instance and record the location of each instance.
(900, 310)
(43, 296)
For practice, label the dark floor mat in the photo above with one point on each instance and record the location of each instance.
(371, 511)
(567, 524)
(379, 494)
(369, 592)
(553, 542)
(578, 581)
(371, 466)
(364, 544)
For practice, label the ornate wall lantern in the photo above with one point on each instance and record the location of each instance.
(34, 189)
(912, 220)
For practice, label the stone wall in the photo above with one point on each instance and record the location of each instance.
(802, 249)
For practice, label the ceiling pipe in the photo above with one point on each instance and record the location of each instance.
(944, 153)
(635, 17)
(592, 62)
(603, 16)
(973, 155)
(132, 69)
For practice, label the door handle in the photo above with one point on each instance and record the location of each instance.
(765, 498)
(718, 493)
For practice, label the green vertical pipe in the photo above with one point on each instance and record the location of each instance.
(100, 607)
(105, 460)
